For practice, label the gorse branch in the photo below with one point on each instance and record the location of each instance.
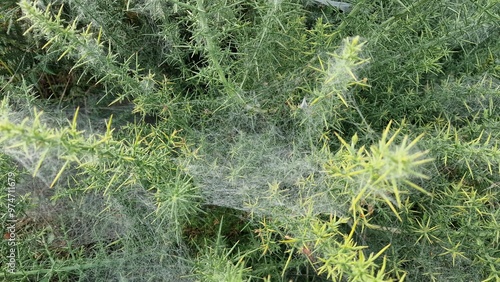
(86, 50)
(378, 173)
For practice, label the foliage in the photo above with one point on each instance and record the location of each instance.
(263, 140)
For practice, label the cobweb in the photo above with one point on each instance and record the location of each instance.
(117, 232)
(250, 162)
(264, 171)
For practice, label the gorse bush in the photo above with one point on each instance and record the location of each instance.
(250, 140)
